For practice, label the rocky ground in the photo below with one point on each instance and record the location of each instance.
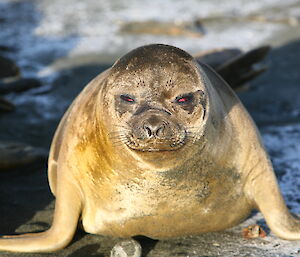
(30, 118)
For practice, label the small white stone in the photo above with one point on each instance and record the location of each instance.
(127, 248)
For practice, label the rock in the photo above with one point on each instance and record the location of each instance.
(6, 106)
(287, 20)
(282, 19)
(161, 28)
(253, 231)
(244, 67)
(216, 57)
(18, 155)
(5, 48)
(127, 248)
(19, 85)
(8, 68)
(236, 67)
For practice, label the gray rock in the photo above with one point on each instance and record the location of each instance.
(126, 248)
(18, 155)
(8, 68)
(152, 27)
(19, 85)
(6, 106)
(234, 66)
(5, 48)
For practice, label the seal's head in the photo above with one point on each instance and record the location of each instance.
(158, 98)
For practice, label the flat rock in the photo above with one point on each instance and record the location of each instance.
(17, 155)
(5, 48)
(8, 68)
(6, 106)
(216, 57)
(19, 85)
(275, 98)
(234, 66)
(153, 27)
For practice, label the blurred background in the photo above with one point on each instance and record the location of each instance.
(49, 39)
(50, 49)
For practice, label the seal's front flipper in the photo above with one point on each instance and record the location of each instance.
(67, 211)
(265, 192)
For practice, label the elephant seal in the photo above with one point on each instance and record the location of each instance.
(154, 141)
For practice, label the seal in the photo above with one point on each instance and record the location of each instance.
(157, 140)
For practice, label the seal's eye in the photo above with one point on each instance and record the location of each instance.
(127, 98)
(184, 99)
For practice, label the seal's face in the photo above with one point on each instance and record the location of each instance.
(158, 98)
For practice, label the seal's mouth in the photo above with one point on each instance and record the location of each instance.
(155, 144)
(153, 132)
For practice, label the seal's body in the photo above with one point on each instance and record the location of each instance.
(159, 146)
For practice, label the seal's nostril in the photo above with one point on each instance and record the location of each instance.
(159, 131)
(148, 130)
(154, 127)
(156, 131)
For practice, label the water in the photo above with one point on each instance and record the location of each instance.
(45, 31)
(281, 141)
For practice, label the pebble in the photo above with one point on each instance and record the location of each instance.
(127, 248)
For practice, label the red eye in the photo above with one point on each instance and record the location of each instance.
(184, 99)
(127, 98)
